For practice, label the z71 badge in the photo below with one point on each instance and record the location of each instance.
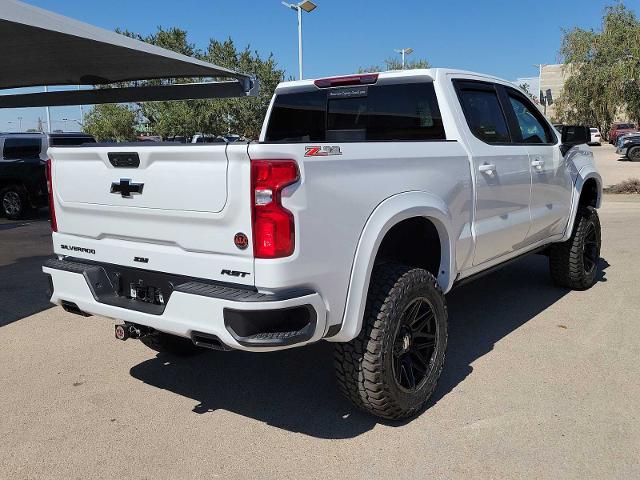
(323, 151)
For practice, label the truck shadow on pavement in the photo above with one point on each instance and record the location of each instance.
(24, 247)
(295, 390)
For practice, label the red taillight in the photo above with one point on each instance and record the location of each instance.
(54, 223)
(366, 79)
(273, 225)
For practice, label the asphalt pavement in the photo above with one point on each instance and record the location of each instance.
(539, 382)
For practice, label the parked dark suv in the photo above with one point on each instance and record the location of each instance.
(23, 184)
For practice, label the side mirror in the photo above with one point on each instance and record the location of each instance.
(573, 135)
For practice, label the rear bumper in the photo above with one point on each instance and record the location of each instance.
(240, 318)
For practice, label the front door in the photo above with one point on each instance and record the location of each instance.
(551, 182)
(502, 173)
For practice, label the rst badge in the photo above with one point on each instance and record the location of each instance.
(322, 151)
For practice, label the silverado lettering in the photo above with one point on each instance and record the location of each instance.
(73, 248)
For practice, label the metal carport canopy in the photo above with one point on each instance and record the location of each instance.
(41, 48)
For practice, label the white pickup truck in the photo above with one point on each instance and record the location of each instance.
(366, 200)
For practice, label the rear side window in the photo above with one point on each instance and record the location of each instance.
(484, 114)
(21, 148)
(375, 113)
(298, 117)
(70, 141)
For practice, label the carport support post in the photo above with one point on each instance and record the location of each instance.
(46, 90)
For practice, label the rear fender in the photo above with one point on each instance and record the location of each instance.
(387, 214)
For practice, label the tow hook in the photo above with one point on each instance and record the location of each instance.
(131, 330)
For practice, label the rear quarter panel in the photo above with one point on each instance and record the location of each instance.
(337, 195)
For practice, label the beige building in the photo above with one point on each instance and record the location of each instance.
(552, 79)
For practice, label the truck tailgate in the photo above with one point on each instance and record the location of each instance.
(177, 211)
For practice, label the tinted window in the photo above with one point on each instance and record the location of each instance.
(68, 141)
(21, 148)
(484, 115)
(626, 126)
(398, 112)
(298, 117)
(532, 128)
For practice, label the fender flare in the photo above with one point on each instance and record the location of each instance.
(585, 173)
(387, 214)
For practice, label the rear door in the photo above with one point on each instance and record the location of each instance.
(501, 169)
(551, 187)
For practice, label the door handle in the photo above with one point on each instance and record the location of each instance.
(537, 164)
(488, 169)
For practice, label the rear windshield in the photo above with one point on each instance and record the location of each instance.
(70, 141)
(625, 126)
(374, 113)
(21, 148)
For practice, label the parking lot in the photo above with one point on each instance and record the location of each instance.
(539, 382)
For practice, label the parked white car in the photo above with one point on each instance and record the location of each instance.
(595, 136)
(366, 200)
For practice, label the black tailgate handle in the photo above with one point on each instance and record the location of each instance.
(124, 159)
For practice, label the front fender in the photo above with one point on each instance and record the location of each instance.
(387, 214)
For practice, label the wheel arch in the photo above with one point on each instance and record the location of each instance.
(587, 191)
(388, 214)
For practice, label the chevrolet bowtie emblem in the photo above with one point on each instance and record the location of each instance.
(126, 188)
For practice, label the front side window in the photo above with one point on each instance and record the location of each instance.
(484, 114)
(532, 129)
(21, 148)
(373, 113)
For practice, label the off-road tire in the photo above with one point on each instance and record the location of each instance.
(634, 154)
(364, 365)
(166, 343)
(14, 211)
(567, 259)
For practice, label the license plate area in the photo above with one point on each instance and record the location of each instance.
(146, 293)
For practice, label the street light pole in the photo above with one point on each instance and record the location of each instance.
(308, 6)
(403, 52)
(46, 89)
(299, 43)
(81, 108)
(20, 124)
(543, 97)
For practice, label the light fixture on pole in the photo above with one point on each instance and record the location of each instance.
(20, 124)
(308, 6)
(403, 52)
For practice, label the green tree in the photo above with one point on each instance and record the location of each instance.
(525, 87)
(111, 122)
(604, 71)
(393, 63)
